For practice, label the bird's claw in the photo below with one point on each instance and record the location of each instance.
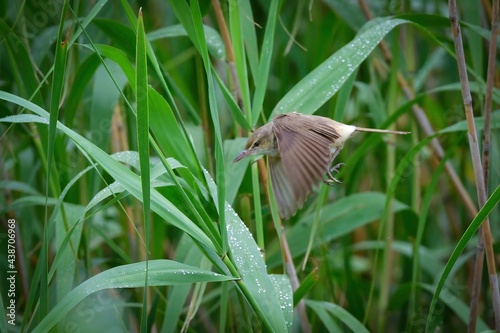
(332, 180)
(336, 167)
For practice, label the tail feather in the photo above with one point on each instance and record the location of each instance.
(375, 130)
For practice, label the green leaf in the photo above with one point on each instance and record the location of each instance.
(330, 309)
(126, 177)
(214, 41)
(121, 35)
(141, 97)
(58, 78)
(88, 18)
(305, 286)
(255, 283)
(119, 57)
(197, 36)
(67, 261)
(167, 132)
(493, 200)
(461, 126)
(231, 103)
(21, 64)
(337, 219)
(239, 44)
(321, 84)
(24, 118)
(85, 74)
(160, 273)
(284, 288)
(456, 305)
(349, 11)
(422, 222)
(235, 171)
(249, 35)
(187, 252)
(266, 54)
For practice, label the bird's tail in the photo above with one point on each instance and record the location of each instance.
(375, 130)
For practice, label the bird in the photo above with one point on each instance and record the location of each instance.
(300, 150)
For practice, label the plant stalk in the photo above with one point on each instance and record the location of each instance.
(479, 262)
(476, 159)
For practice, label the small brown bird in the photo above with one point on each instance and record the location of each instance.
(300, 150)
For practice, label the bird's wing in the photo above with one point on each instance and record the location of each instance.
(283, 193)
(304, 147)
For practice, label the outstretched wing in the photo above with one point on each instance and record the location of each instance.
(283, 193)
(304, 146)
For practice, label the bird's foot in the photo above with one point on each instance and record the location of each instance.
(336, 167)
(332, 180)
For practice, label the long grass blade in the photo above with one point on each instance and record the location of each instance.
(492, 201)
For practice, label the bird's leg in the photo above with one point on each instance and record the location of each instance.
(336, 167)
(332, 180)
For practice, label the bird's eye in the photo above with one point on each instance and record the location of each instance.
(256, 143)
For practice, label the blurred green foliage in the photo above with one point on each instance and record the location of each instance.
(85, 245)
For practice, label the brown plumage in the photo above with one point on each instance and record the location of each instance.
(300, 150)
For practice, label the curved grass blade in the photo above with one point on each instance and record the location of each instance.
(141, 91)
(162, 76)
(121, 35)
(58, 79)
(255, 283)
(128, 179)
(188, 253)
(458, 306)
(422, 222)
(493, 200)
(239, 63)
(20, 63)
(231, 103)
(337, 219)
(142, 121)
(285, 296)
(336, 311)
(305, 286)
(118, 56)
(214, 41)
(199, 40)
(321, 84)
(161, 272)
(265, 61)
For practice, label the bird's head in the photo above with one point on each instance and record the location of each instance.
(262, 142)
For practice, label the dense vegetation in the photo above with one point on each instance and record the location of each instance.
(122, 209)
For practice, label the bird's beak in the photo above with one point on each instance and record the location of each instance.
(241, 155)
